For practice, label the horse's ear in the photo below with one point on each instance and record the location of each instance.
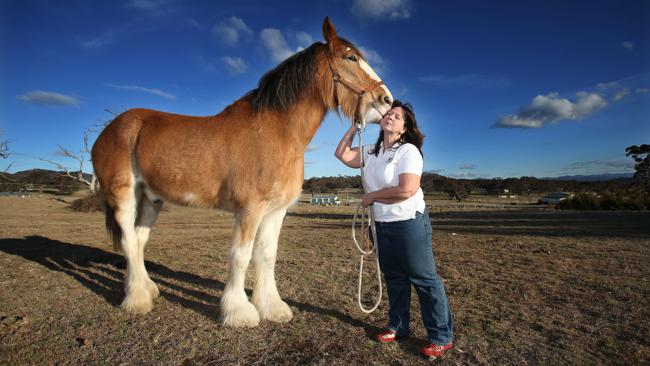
(329, 32)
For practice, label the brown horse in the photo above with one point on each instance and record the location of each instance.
(248, 159)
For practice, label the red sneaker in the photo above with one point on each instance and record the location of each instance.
(435, 350)
(386, 336)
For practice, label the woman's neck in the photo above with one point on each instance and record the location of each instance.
(390, 140)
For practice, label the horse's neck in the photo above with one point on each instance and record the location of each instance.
(304, 119)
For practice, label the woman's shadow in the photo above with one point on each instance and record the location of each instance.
(102, 272)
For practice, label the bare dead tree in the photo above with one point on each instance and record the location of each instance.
(4, 149)
(83, 156)
(4, 154)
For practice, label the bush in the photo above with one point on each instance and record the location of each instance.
(90, 203)
(629, 199)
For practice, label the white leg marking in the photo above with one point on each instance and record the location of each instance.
(236, 310)
(265, 294)
(148, 213)
(137, 299)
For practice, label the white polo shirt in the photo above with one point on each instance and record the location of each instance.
(383, 171)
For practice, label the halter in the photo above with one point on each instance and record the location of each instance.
(360, 92)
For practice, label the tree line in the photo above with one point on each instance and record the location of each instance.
(460, 188)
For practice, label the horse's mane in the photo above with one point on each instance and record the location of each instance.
(282, 86)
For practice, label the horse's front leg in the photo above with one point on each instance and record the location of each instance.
(236, 310)
(265, 294)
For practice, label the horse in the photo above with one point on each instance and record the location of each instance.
(248, 159)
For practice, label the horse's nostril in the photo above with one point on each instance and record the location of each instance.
(387, 99)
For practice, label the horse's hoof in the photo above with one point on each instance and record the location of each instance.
(140, 304)
(277, 311)
(153, 289)
(245, 315)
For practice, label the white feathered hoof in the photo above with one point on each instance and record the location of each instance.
(138, 302)
(153, 289)
(276, 311)
(244, 315)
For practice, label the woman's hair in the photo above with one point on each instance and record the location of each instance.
(412, 134)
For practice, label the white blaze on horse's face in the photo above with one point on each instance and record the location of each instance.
(382, 99)
(377, 107)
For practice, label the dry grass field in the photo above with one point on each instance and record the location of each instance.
(526, 287)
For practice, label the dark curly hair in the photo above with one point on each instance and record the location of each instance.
(412, 134)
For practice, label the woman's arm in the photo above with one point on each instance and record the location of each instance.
(344, 152)
(409, 184)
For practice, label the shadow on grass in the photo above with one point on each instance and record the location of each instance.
(84, 264)
(322, 215)
(544, 223)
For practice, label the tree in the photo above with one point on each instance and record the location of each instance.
(4, 149)
(641, 156)
(458, 190)
(82, 156)
(4, 154)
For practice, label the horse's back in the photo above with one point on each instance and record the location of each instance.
(219, 161)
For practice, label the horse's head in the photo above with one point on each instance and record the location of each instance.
(358, 90)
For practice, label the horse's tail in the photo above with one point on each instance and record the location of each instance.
(112, 228)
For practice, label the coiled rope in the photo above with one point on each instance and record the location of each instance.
(372, 247)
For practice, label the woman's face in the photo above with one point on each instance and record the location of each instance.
(393, 121)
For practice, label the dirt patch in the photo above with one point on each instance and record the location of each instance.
(525, 287)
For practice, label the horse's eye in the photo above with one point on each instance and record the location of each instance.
(352, 58)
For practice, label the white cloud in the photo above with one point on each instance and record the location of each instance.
(231, 31)
(474, 81)
(48, 98)
(608, 86)
(236, 65)
(628, 45)
(642, 90)
(467, 166)
(274, 41)
(194, 23)
(552, 108)
(154, 7)
(304, 39)
(464, 175)
(157, 92)
(382, 9)
(599, 167)
(621, 94)
(100, 41)
(146, 4)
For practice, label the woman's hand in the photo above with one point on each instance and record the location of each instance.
(367, 199)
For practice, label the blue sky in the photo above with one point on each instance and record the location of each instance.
(501, 89)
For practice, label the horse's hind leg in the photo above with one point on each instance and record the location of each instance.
(265, 294)
(236, 310)
(123, 199)
(148, 209)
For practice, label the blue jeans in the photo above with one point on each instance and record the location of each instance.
(406, 257)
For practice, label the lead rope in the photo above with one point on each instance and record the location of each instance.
(373, 247)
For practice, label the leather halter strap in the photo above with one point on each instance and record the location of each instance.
(360, 92)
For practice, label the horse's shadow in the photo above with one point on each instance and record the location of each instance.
(102, 272)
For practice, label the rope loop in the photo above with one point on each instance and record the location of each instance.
(371, 224)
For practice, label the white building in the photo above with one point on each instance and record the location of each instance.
(555, 197)
(324, 200)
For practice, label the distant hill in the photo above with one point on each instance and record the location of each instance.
(41, 179)
(57, 181)
(595, 177)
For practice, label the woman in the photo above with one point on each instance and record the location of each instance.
(392, 171)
